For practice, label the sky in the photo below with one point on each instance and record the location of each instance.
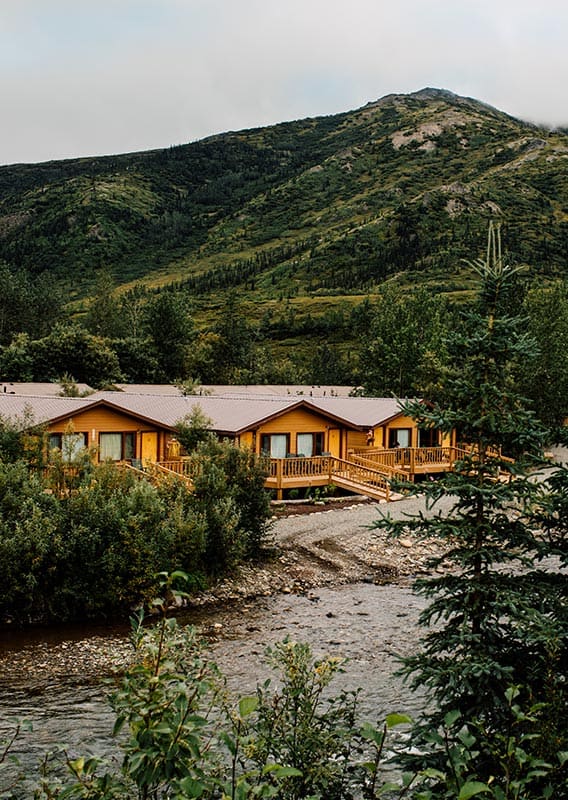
(98, 77)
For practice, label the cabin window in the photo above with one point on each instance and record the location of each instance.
(400, 437)
(429, 437)
(70, 444)
(128, 445)
(117, 446)
(310, 444)
(275, 445)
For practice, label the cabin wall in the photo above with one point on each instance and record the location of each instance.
(245, 440)
(402, 429)
(356, 439)
(299, 421)
(93, 422)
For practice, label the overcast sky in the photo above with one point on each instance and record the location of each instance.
(92, 77)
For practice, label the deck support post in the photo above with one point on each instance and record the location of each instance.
(279, 492)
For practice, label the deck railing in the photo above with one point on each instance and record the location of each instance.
(408, 459)
(301, 467)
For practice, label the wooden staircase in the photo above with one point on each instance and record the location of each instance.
(358, 477)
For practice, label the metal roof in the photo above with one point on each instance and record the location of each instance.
(364, 412)
(25, 411)
(41, 389)
(229, 415)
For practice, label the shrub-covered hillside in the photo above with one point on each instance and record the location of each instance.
(401, 187)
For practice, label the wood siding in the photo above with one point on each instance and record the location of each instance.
(297, 421)
(99, 420)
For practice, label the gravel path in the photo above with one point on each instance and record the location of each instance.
(332, 547)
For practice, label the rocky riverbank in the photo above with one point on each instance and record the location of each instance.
(326, 545)
(313, 546)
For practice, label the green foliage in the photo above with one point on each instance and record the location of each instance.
(519, 773)
(334, 205)
(229, 491)
(87, 541)
(298, 720)
(229, 496)
(28, 304)
(488, 630)
(75, 352)
(545, 380)
(184, 736)
(194, 429)
(403, 345)
(170, 327)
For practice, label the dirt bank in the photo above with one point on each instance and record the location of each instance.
(326, 545)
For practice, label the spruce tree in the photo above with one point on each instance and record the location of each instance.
(494, 620)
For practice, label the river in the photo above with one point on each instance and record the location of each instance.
(369, 625)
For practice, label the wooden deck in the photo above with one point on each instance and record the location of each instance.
(367, 471)
(411, 461)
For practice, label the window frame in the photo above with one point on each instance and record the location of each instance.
(127, 445)
(267, 437)
(393, 438)
(57, 441)
(318, 443)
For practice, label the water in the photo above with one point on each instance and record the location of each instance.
(367, 624)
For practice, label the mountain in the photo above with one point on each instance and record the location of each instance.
(401, 189)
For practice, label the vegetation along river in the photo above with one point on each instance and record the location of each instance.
(335, 583)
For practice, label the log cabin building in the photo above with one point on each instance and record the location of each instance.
(359, 444)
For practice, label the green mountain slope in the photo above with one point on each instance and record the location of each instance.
(399, 189)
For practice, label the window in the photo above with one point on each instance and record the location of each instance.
(400, 437)
(275, 444)
(70, 444)
(117, 446)
(310, 444)
(429, 438)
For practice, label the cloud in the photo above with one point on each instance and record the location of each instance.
(92, 78)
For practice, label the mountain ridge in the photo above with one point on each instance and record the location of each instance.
(400, 189)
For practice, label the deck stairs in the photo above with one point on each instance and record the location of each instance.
(363, 478)
(155, 473)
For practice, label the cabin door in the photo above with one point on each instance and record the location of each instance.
(149, 446)
(334, 442)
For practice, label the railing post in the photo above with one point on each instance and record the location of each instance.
(279, 479)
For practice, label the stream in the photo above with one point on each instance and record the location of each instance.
(367, 624)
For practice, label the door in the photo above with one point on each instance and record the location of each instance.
(149, 446)
(334, 442)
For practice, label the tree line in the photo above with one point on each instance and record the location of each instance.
(391, 344)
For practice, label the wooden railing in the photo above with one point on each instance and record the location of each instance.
(315, 466)
(360, 474)
(408, 459)
(283, 471)
(392, 473)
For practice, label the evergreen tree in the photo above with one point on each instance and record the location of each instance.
(170, 327)
(546, 380)
(403, 343)
(488, 628)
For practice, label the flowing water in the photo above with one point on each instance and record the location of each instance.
(369, 625)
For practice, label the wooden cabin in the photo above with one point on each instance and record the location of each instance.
(358, 443)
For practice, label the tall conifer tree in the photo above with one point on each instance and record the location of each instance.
(494, 620)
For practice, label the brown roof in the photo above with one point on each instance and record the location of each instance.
(43, 389)
(364, 412)
(26, 411)
(228, 415)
